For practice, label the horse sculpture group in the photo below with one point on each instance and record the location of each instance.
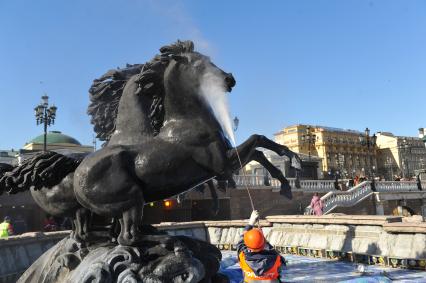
(161, 139)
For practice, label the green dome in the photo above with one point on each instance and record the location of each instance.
(55, 137)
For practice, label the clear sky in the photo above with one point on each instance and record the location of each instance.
(348, 64)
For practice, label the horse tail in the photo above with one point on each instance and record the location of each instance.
(45, 169)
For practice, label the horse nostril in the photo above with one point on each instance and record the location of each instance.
(230, 81)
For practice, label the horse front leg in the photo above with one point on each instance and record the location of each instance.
(247, 154)
(254, 141)
(215, 199)
(275, 173)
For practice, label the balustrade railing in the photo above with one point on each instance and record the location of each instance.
(259, 181)
(333, 198)
(347, 198)
(351, 197)
(396, 186)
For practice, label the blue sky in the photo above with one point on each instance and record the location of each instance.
(347, 64)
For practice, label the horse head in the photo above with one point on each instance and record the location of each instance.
(192, 68)
(195, 88)
(172, 82)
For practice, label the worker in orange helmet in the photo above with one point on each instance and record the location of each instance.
(258, 259)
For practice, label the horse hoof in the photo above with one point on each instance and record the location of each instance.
(286, 193)
(283, 152)
(297, 183)
(286, 190)
(129, 240)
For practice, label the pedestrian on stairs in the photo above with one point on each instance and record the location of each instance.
(317, 205)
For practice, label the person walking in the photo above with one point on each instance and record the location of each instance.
(49, 224)
(317, 205)
(259, 261)
(6, 229)
(356, 180)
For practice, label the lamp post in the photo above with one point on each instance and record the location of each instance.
(45, 115)
(389, 164)
(236, 122)
(370, 143)
(310, 139)
(403, 147)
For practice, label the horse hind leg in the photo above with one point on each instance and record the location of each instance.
(130, 224)
(82, 224)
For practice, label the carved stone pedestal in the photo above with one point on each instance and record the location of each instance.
(158, 258)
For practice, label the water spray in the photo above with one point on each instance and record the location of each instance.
(213, 92)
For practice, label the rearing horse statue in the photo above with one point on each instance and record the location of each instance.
(162, 137)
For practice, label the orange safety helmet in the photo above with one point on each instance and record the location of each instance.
(254, 239)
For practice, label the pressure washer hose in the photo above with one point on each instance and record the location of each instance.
(245, 184)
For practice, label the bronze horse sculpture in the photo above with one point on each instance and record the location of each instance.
(164, 140)
(161, 139)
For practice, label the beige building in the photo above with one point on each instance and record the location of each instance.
(400, 156)
(348, 152)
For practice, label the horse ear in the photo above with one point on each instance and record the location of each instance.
(180, 59)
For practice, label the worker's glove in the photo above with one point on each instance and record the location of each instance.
(254, 217)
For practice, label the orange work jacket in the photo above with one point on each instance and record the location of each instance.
(270, 275)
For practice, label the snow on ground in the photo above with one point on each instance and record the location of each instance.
(307, 269)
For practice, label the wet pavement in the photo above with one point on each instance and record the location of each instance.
(308, 269)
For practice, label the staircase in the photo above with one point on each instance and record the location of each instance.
(351, 197)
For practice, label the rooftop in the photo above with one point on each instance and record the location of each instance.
(55, 137)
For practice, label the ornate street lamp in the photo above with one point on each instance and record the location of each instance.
(308, 138)
(389, 164)
(236, 122)
(370, 143)
(45, 115)
(403, 148)
(366, 140)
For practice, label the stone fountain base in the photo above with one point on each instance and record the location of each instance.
(158, 258)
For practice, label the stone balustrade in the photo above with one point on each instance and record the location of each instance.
(396, 186)
(366, 235)
(258, 182)
(363, 190)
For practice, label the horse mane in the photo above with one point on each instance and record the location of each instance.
(105, 92)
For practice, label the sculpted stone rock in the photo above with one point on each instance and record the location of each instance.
(157, 258)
